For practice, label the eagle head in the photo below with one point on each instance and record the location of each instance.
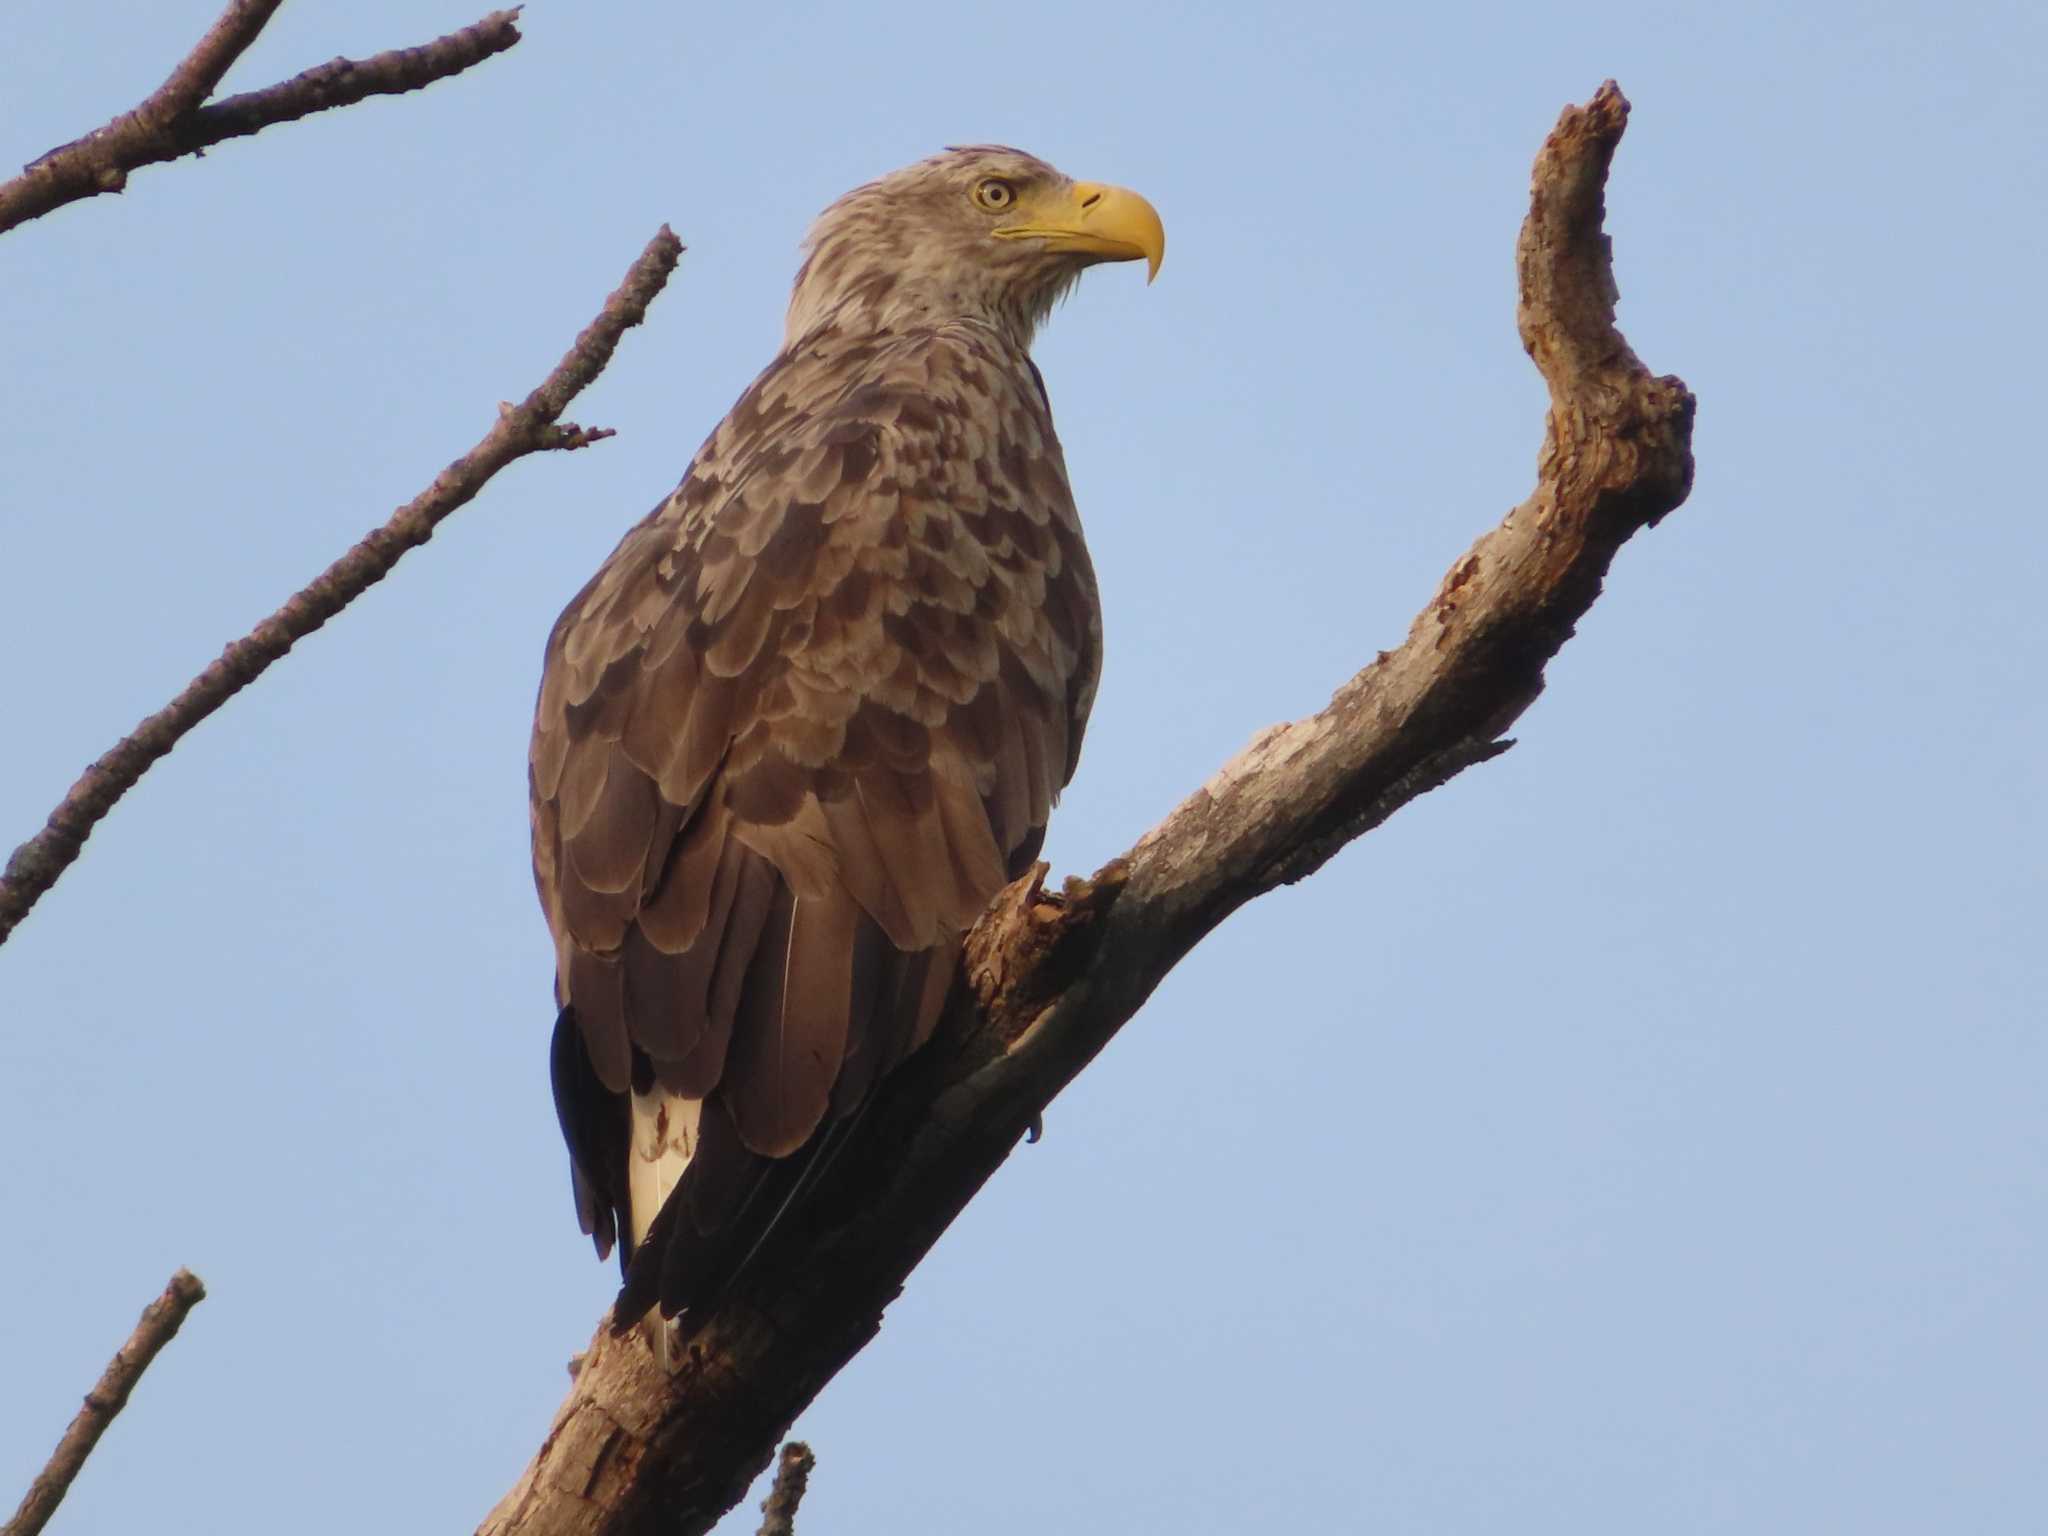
(982, 233)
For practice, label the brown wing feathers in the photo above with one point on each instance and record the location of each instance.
(790, 741)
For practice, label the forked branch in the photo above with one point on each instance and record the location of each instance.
(173, 122)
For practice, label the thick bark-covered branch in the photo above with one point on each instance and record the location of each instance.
(172, 123)
(635, 1450)
(161, 1320)
(532, 426)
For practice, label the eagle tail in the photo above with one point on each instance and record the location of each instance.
(718, 1212)
(665, 1128)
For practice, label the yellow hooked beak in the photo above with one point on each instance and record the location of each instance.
(1111, 222)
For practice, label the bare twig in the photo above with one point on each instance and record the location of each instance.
(792, 1477)
(161, 1320)
(172, 122)
(636, 1449)
(529, 427)
(197, 76)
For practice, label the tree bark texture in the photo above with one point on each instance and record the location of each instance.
(1049, 979)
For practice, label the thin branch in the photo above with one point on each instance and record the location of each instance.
(171, 122)
(200, 72)
(161, 1320)
(1050, 979)
(529, 427)
(792, 1477)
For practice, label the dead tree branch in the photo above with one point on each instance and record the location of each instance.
(171, 122)
(532, 426)
(792, 1477)
(161, 1320)
(636, 1450)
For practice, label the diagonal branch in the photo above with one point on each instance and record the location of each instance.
(171, 122)
(636, 1450)
(161, 1320)
(532, 426)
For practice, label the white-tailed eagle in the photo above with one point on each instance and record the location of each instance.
(813, 713)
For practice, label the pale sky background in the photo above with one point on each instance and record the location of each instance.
(1644, 1133)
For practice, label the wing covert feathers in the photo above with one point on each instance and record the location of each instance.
(790, 740)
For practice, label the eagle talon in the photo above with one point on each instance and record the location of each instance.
(1034, 1130)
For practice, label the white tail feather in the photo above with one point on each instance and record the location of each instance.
(664, 1141)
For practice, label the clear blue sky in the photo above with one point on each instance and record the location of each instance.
(1645, 1133)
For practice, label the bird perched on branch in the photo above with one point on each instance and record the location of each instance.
(813, 713)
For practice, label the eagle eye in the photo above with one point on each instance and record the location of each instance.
(994, 194)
